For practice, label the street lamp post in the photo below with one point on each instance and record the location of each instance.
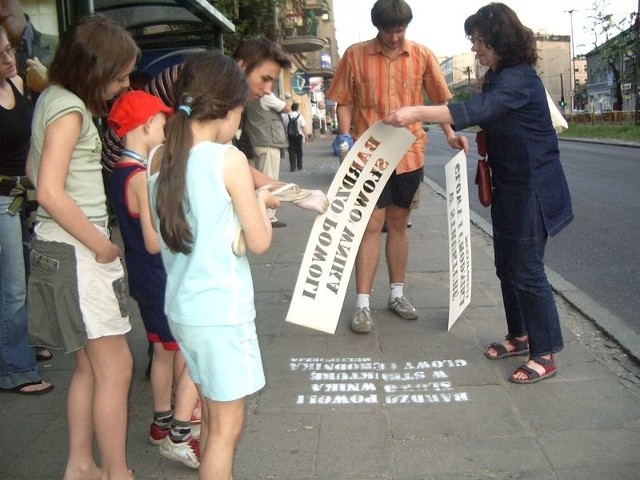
(562, 102)
(572, 64)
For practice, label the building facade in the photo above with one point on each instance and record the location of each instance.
(461, 74)
(308, 34)
(611, 72)
(555, 68)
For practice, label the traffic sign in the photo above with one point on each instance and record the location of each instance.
(300, 82)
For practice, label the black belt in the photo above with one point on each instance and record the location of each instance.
(15, 187)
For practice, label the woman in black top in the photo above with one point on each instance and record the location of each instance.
(18, 368)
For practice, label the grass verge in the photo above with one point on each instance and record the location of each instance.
(628, 133)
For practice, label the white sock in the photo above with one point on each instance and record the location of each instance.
(362, 300)
(396, 290)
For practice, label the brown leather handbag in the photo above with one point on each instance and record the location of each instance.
(483, 172)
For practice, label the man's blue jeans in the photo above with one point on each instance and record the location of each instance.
(528, 300)
(17, 358)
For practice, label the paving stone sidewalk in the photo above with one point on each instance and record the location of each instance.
(409, 401)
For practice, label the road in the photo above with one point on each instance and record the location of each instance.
(599, 252)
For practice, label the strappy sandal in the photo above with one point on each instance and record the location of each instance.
(533, 376)
(521, 347)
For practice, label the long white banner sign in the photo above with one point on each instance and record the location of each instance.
(458, 221)
(336, 235)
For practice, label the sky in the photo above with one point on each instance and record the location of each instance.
(442, 29)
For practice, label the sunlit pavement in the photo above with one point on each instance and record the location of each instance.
(408, 401)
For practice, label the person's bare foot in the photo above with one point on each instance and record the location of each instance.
(536, 369)
(30, 388)
(36, 388)
(43, 355)
(92, 473)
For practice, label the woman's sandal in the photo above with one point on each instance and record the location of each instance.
(20, 389)
(533, 376)
(521, 347)
(43, 355)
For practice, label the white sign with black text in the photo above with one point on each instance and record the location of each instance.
(336, 235)
(458, 222)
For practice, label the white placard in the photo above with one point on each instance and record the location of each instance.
(336, 235)
(458, 223)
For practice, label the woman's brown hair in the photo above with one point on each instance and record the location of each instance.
(209, 86)
(92, 54)
(500, 29)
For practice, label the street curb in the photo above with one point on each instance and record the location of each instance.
(602, 318)
(602, 141)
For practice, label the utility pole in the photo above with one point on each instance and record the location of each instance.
(572, 65)
(468, 72)
(562, 102)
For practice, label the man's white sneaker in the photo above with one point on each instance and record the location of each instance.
(361, 322)
(187, 452)
(401, 307)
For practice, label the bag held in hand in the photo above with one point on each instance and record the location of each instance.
(483, 173)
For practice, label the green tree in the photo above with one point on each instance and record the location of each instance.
(252, 18)
(614, 39)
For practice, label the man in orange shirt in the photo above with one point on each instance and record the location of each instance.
(373, 79)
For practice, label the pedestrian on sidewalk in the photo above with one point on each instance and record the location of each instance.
(33, 52)
(374, 78)
(530, 194)
(297, 134)
(139, 118)
(34, 49)
(262, 123)
(265, 130)
(18, 361)
(77, 298)
(202, 195)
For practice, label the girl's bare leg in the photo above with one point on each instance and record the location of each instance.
(80, 463)
(186, 394)
(162, 377)
(225, 421)
(112, 365)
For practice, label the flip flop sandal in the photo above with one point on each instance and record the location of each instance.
(521, 347)
(18, 389)
(532, 375)
(43, 355)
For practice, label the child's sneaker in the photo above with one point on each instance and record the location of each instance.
(187, 452)
(157, 434)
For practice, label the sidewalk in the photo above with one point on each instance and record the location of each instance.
(409, 401)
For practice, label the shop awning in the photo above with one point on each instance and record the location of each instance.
(163, 23)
